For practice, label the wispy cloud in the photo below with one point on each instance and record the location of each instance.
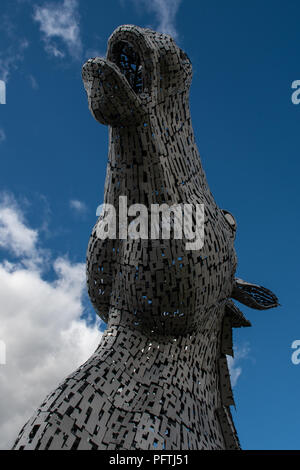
(60, 21)
(33, 82)
(2, 135)
(13, 53)
(10, 59)
(41, 324)
(165, 12)
(94, 53)
(78, 206)
(234, 365)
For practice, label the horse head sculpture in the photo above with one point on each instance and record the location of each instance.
(159, 378)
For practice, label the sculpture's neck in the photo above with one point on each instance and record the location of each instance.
(163, 377)
(146, 164)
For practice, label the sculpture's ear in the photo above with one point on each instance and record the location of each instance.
(253, 296)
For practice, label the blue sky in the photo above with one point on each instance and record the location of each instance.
(53, 159)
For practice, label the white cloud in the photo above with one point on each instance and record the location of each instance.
(165, 12)
(2, 135)
(14, 234)
(41, 324)
(78, 206)
(60, 21)
(234, 366)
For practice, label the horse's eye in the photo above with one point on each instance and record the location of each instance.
(230, 219)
